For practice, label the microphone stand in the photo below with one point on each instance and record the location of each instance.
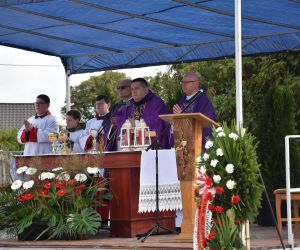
(155, 145)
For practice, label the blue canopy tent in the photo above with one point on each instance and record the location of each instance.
(91, 35)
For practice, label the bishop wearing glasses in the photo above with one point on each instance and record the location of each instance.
(34, 132)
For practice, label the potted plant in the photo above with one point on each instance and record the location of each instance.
(228, 190)
(53, 204)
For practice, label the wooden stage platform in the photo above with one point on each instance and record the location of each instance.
(261, 238)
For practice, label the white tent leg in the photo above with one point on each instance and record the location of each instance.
(68, 91)
(238, 65)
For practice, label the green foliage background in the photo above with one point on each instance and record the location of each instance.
(8, 140)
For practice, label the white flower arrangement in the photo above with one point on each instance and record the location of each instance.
(217, 178)
(28, 184)
(233, 136)
(31, 171)
(80, 177)
(205, 156)
(21, 170)
(219, 152)
(229, 168)
(57, 169)
(230, 184)
(214, 163)
(16, 185)
(219, 129)
(221, 134)
(208, 144)
(92, 170)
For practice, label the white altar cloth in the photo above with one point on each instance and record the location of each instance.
(169, 186)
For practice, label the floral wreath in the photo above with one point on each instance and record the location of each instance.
(228, 190)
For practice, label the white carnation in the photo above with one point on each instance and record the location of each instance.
(217, 178)
(92, 170)
(50, 175)
(233, 136)
(205, 156)
(31, 171)
(198, 160)
(28, 184)
(229, 168)
(202, 170)
(46, 175)
(214, 163)
(230, 184)
(57, 169)
(80, 177)
(219, 129)
(16, 185)
(219, 152)
(22, 169)
(64, 176)
(221, 134)
(208, 144)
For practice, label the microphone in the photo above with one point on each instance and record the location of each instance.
(192, 100)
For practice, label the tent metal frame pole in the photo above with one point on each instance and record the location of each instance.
(238, 65)
(68, 91)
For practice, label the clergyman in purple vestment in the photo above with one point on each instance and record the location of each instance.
(200, 104)
(148, 106)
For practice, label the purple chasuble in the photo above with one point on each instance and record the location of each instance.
(203, 105)
(152, 107)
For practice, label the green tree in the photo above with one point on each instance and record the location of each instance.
(8, 140)
(277, 120)
(83, 96)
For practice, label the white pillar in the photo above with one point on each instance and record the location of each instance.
(68, 91)
(238, 65)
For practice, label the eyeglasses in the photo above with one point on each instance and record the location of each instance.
(184, 82)
(122, 87)
(39, 103)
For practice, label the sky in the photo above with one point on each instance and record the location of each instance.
(21, 80)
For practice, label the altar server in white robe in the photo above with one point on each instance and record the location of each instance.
(34, 132)
(101, 119)
(74, 129)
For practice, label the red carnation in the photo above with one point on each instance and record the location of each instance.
(47, 185)
(219, 209)
(237, 222)
(61, 192)
(235, 199)
(21, 198)
(43, 192)
(71, 182)
(211, 207)
(211, 235)
(219, 190)
(29, 196)
(59, 184)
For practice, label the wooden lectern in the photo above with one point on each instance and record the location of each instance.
(187, 129)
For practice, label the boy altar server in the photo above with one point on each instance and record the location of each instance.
(34, 132)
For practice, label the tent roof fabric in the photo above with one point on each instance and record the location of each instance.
(96, 35)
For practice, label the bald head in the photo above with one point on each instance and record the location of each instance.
(124, 89)
(190, 83)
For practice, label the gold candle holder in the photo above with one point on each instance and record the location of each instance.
(53, 139)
